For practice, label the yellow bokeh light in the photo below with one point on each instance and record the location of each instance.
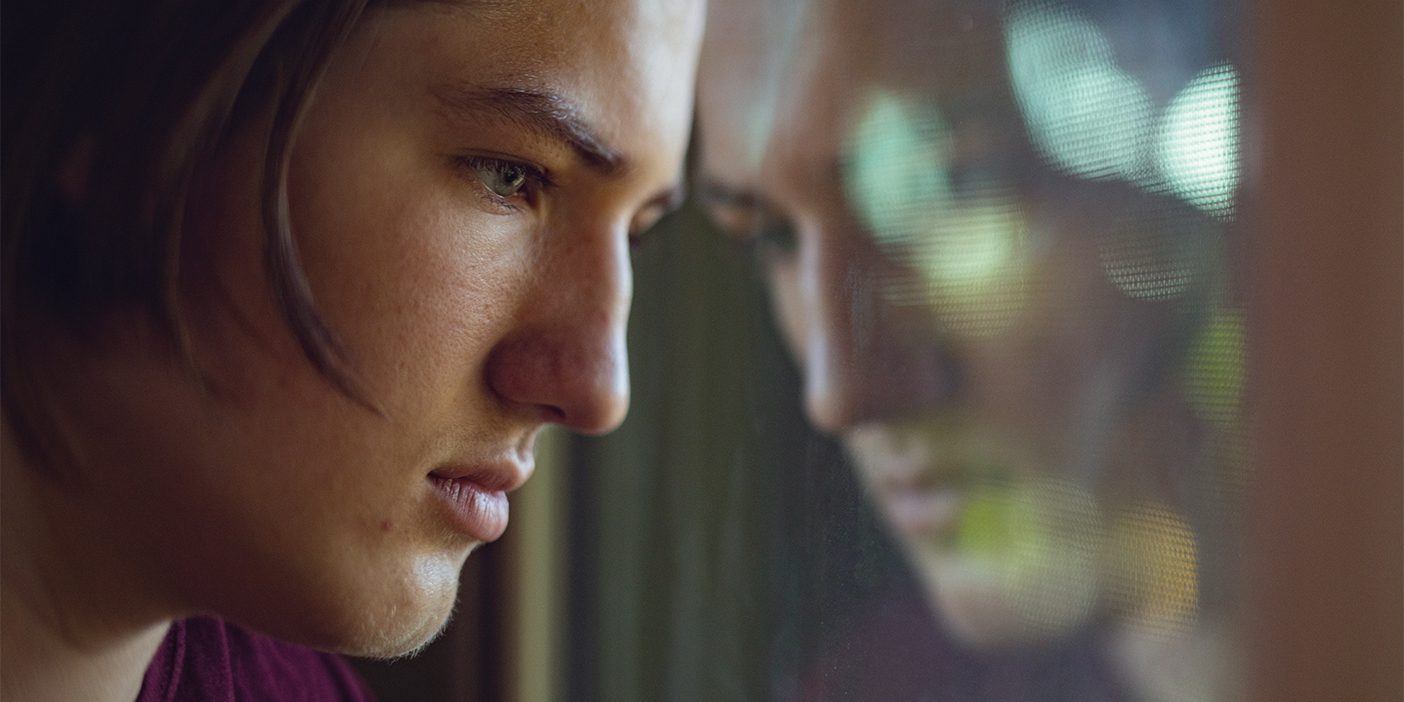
(1214, 368)
(1155, 563)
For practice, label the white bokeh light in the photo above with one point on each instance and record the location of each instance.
(1086, 115)
(1198, 141)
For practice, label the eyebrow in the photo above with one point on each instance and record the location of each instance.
(547, 114)
(713, 191)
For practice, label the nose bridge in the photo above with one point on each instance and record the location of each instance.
(567, 356)
(866, 356)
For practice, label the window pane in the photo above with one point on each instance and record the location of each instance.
(938, 385)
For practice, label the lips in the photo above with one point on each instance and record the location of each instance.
(922, 509)
(475, 499)
(921, 500)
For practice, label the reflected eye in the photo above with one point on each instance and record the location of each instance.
(749, 221)
(644, 221)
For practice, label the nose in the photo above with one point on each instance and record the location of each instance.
(566, 359)
(870, 349)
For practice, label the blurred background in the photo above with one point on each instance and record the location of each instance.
(1154, 250)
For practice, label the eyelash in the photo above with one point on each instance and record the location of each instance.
(771, 241)
(759, 234)
(536, 181)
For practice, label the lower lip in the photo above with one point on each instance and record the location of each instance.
(924, 512)
(473, 509)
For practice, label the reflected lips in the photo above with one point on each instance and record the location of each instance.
(476, 503)
(923, 510)
(923, 500)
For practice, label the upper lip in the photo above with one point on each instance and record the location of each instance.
(505, 473)
(912, 481)
(917, 458)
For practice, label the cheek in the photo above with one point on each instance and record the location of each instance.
(1069, 332)
(406, 268)
(418, 288)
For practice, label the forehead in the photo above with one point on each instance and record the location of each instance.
(788, 79)
(626, 64)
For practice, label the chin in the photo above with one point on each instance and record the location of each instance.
(992, 605)
(395, 615)
(402, 639)
(400, 621)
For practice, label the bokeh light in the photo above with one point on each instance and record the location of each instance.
(1037, 545)
(1085, 114)
(1143, 261)
(1198, 141)
(1214, 368)
(1155, 564)
(973, 260)
(969, 251)
(896, 169)
(1158, 252)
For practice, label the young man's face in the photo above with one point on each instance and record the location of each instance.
(970, 322)
(462, 193)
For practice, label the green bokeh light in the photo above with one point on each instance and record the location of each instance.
(968, 252)
(896, 171)
(1214, 370)
(973, 260)
(1039, 542)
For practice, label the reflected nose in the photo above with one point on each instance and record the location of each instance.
(868, 354)
(567, 358)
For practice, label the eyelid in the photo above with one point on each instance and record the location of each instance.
(655, 211)
(754, 227)
(717, 195)
(646, 220)
(742, 217)
(643, 222)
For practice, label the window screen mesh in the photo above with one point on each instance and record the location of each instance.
(939, 384)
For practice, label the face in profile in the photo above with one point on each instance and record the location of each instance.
(990, 326)
(463, 192)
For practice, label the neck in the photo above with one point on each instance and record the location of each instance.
(65, 633)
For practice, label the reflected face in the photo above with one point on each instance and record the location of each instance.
(463, 200)
(963, 317)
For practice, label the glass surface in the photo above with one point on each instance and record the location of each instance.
(938, 384)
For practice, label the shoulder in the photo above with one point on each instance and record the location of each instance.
(894, 647)
(888, 647)
(204, 658)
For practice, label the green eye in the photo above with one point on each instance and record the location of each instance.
(503, 179)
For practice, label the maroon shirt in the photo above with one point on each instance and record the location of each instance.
(209, 660)
(897, 650)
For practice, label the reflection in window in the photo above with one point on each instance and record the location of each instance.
(976, 432)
